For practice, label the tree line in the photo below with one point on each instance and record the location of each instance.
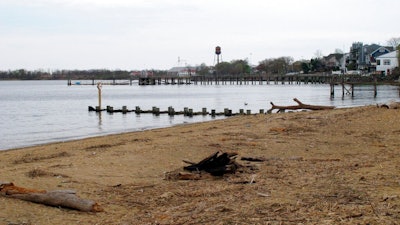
(280, 65)
(102, 74)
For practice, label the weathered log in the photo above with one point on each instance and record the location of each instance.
(390, 105)
(299, 106)
(57, 198)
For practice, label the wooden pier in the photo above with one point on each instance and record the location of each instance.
(103, 82)
(346, 81)
(236, 79)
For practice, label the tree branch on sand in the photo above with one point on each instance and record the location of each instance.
(57, 198)
(299, 105)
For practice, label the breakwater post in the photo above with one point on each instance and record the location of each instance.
(171, 111)
(204, 111)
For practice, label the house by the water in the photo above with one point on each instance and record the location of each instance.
(387, 62)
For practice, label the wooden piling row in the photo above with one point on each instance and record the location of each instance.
(236, 79)
(171, 111)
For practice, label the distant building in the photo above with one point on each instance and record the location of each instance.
(387, 62)
(142, 73)
(334, 61)
(371, 58)
(186, 71)
(364, 56)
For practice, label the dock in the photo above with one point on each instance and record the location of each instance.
(235, 79)
(103, 82)
(346, 81)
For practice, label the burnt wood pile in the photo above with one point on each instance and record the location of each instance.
(216, 164)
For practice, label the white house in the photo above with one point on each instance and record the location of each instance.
(387, 62)
(183, 71)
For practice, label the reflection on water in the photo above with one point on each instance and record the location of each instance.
(35, 112)
(100, 120)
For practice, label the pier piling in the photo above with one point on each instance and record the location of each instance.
(99, 85)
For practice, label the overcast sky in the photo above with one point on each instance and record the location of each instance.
(154, 34)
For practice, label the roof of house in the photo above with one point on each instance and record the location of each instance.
(371, 48)
(392, 54)
(337, 56)
(182, 68)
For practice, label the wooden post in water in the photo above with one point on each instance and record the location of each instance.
(226, 112)
(171, 111)
(352, 90)
(99, 85)
(342, 89)
(375, 89)
(110, 109)
(137, 110)
(204, 111)
(155, 110)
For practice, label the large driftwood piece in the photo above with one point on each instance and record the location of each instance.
(299, 106)
(58, 198)
(390, 105)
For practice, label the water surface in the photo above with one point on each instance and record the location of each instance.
(37, 112)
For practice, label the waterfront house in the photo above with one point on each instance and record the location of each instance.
(334, 61)
(186, 71)
(363, 57)
(371, 58)
(387, 62)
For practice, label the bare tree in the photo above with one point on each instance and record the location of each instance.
(318, 54)
(338, 51)
(394, 41)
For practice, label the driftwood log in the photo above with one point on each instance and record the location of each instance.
(299, 106)
(58, 198)
(390, 105)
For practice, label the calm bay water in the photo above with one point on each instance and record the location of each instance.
(38, 112)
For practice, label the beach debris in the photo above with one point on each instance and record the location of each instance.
(298, 107)
(217, 164)
(253, 159)
(390, 105)
(57, 198)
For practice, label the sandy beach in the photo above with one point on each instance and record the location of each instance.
(338, 166)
